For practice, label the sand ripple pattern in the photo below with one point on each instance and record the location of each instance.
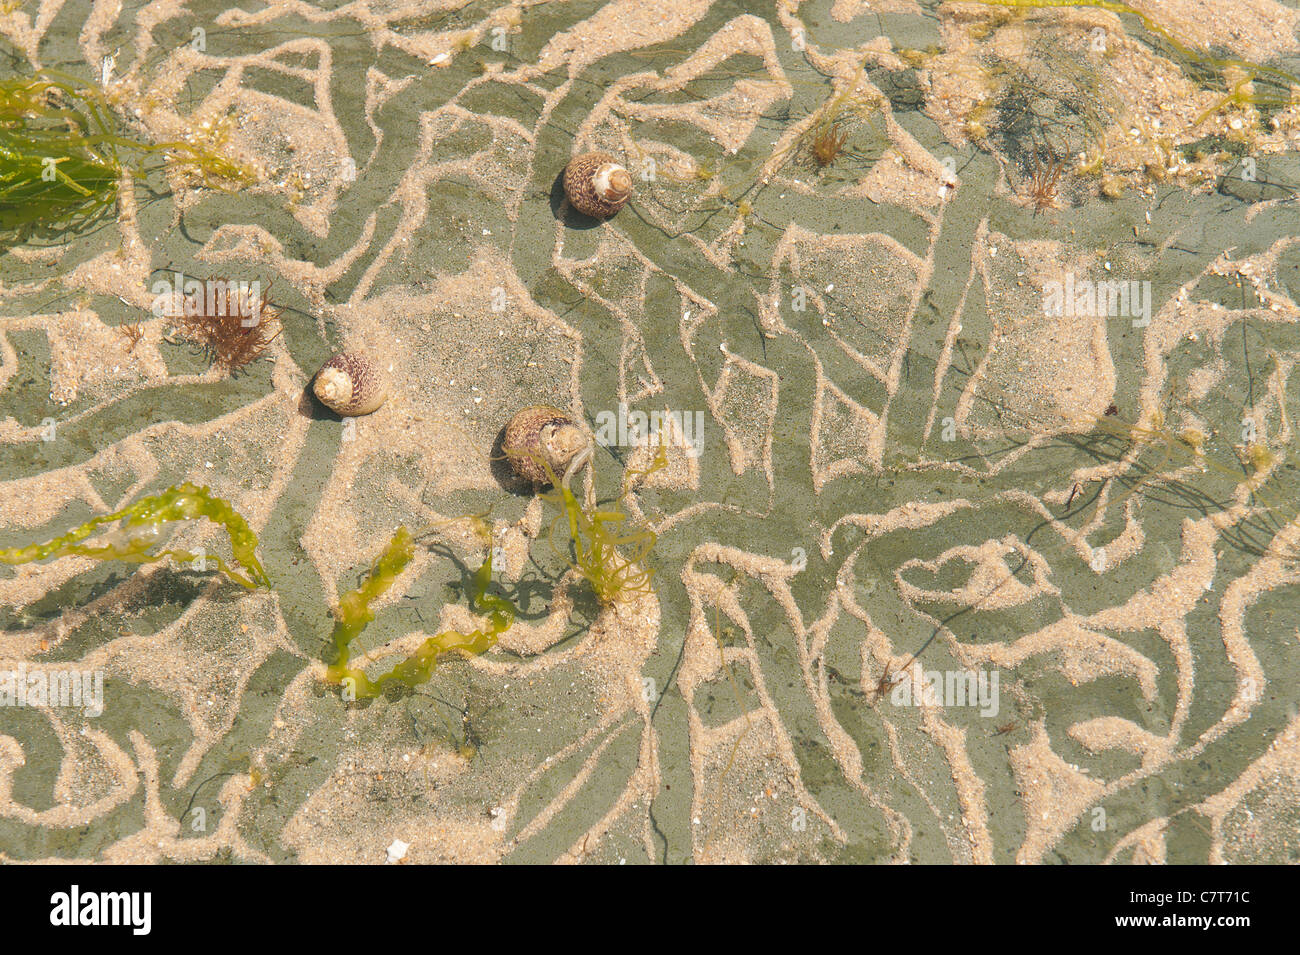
(900, 451)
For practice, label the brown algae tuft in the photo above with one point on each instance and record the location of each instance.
(233, 322)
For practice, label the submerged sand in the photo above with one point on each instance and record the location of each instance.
(897, 457)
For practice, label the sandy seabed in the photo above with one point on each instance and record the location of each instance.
(902, 447)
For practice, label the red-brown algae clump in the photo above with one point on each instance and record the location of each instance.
(233, 321)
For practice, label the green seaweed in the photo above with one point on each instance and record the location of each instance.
(596, 543)
(62, 160)
(182, 502)
(57, 163)
(354, 614)
(1280, 79)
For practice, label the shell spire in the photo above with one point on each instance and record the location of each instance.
(541, 433)
(350, 384)
(597, 184)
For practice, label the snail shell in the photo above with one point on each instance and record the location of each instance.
(350, 384)
(596, 184)
(541, 431)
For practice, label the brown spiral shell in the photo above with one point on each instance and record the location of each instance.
(350, 384)
(545, 433)
(597, 184)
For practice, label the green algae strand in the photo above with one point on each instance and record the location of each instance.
(141, 527)
(354, 614)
